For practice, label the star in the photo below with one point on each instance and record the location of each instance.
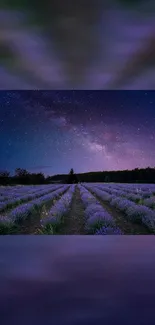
(67, 126)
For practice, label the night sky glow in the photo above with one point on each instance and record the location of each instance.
(53, 131)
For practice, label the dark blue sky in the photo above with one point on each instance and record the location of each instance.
(52, 131)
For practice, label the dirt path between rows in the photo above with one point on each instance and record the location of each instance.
(127, 227)
(32, 225)
(75, 222)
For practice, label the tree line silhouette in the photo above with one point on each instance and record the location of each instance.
(23, 177)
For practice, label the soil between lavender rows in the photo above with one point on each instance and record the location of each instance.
(74, 222)
(127, 227)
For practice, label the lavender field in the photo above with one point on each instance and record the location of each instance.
(82, 209)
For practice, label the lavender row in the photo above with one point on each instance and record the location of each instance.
(5, 223)
(17, 191)
(110, 191)
(15, 194)
(133, 212)
(23, 211)
(134, 196)
(149, 202)
(21, 199)
(145, 190)
(136, 213)
(100, 193)
(134, 186)
(60, 209)
(128, 195)
(97, 218)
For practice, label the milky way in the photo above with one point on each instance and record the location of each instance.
(53, 131)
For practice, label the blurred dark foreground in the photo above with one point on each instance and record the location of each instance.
(81, 44)
(77, 280)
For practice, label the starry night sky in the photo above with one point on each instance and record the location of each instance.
(53, 131)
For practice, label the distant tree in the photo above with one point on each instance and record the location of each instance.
(4, 173)
(107, 179)
(72, 178)
(22, 176)
(38, 178)
(20, 172)
(4, 177)
(71, 171)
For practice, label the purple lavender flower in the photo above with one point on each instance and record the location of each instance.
(136, 212)
(88, 199)
(16, 199)
(116, 201)
(2, 206)
(22, 211)
(149, 222)
(6, 225)
(60, 208)
(133, 197)
(5, 220)
(96, 215)
(100, 218)
(108, 231)
(92, 208)
(150, 202)
(102, 194)
(27, 209)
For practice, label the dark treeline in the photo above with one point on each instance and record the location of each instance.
(146, 175)
(23, 177)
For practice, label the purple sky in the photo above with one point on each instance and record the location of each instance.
(71, 280)
(53, 131)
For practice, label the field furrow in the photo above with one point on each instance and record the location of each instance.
(98, 219)
(25, 218)
(128, 216)
(81, 209)
(75, 221)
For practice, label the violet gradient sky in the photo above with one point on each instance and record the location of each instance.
(77, 280)
(53, 131)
